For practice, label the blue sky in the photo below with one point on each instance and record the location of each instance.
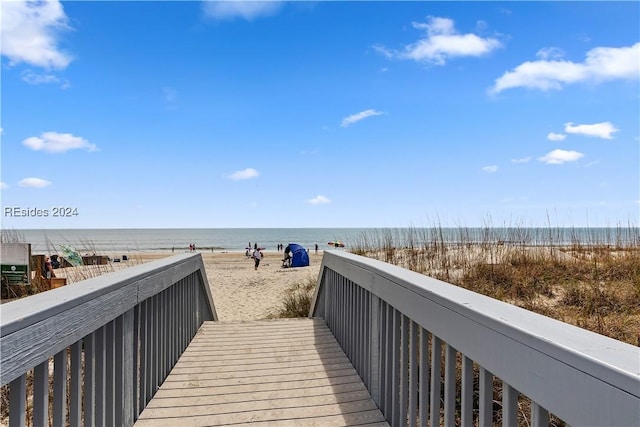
(320, 114)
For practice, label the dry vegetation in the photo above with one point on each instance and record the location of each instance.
(593, 282)
(297, 301)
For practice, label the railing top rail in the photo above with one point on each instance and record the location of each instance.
(59, 317)
(587, 351)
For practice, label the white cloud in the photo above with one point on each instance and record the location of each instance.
(55, 142)
(34, 183)
(490, 169)
(521, 160)
(556, 136)
(37, 79)
(248, 10)
(359, 116)
(3, 185)
(32, 78)
(247, 173)
(600, 64)
(550, 53)
(441, 42)
(30, 30)
(319, 200)
(558, 157)
(602, 130)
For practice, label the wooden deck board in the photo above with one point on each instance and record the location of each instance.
(268, 373)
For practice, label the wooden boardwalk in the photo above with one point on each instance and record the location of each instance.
(265, 373)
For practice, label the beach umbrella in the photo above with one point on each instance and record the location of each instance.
(71, 255)
(336, 244)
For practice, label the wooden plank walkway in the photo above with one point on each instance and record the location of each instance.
(269, 373)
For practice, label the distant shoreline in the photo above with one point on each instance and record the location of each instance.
(113, 241)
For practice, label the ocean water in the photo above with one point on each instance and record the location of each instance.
(114, 241)
(107, 241)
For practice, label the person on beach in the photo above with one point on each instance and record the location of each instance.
(48, 269)
(286, 261)
(257, 256)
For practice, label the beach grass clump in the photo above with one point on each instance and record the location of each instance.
(588, 279)
(297, 300)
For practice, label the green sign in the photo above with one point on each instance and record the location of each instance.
(15, 274)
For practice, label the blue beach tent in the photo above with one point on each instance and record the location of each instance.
(299, 256)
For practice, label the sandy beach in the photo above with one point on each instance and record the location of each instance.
(239, 291)
(242, 293)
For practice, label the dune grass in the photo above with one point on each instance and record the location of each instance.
(592, 281)
(297, 300)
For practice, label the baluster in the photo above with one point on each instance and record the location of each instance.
(404, 369)
(110, 374)
(449, 385)
(509, 406)
(423, 402)
(539, 416)
(383, 358)
(486, 398)
(375, 349)
(100, 373)
(413, 374)
(136, 360)
(388, 361)
(436, 372)
(75, 409)
(60, 389)
(40, 394)
(18, 401)
(395, 412)
(118, 370)
(467, 391)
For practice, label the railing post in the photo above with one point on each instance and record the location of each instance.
(374, 349)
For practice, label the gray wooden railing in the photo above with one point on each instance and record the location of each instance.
(109, 341)
(429, 353)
